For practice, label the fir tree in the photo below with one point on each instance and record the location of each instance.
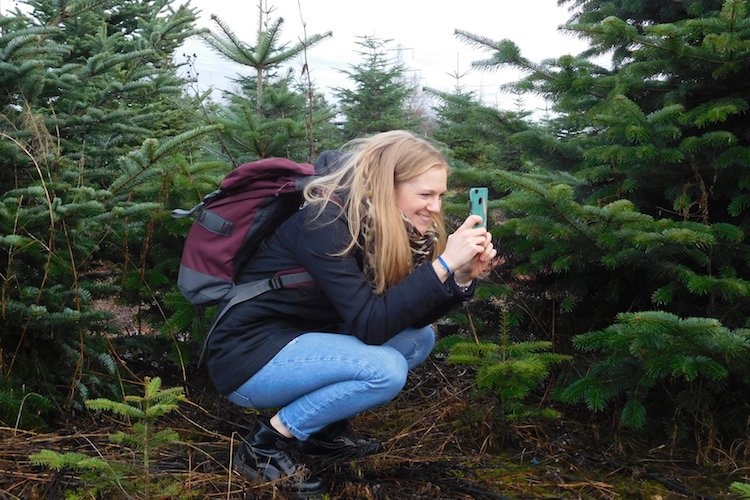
(676, 99)
(695, 362)
(509, 371)
(142, 437)
(378, 102)
(662, 128)
(478, 135)
(634, 196)
(91, 127)
(640, 12)
(268, 116)
(280, 128)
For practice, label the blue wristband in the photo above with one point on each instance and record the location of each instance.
(443, 263)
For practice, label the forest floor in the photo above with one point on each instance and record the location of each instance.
(439, 441)
(438, 444)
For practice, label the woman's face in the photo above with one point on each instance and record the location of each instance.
(421, 197)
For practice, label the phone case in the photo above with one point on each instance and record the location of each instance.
(478, 203)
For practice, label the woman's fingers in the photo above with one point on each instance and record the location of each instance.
(468, 243)
(483, 260)
(470, 222)
(489, 250)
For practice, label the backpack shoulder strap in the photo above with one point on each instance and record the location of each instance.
(250, 290)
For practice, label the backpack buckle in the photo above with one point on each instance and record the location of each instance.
(275, 283)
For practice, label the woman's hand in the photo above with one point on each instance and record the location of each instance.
(468, 251)
(479, 265)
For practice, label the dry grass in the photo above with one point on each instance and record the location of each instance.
(438, 444)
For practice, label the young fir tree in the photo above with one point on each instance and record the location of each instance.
(270, 115)
(281, 128)
(692, 358)
(92, 126)
(143, 437)
(639, 197)
(662, 129)
(378, 102)
(478, 135)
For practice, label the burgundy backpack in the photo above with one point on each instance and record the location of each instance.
(230, 223)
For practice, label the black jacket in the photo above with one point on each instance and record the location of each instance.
(340, 301)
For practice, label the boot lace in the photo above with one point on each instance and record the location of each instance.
(299, 470)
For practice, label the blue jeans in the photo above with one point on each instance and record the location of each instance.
(319, 378)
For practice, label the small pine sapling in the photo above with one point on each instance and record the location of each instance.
(100, 476)
(508, 370)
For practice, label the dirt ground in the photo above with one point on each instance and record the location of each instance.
(439, 443)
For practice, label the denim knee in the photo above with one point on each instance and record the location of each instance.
(426, 339)
(415, 344)
(388, 371)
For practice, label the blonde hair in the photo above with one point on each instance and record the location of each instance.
(365, 189)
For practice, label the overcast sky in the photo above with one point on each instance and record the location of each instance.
(422, 32)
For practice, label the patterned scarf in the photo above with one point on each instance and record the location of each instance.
(422, 245)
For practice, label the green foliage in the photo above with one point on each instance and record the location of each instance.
(591, 253)
(653, 357)
(634, 196)
(478, 135)
(664, 126)
(97, 476)
(282, 126)
(378, 101)
(91, 131)
(268, 53)
(22, 409)
(509, 371)
(742, 489)
(271, 115)
(102, 477)
(75, 461)
(661, 127)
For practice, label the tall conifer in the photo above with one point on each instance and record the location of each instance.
(635, 195)
(91, 129)
(270, 114)
(378, 101)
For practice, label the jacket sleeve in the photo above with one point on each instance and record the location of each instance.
(459, 296)
(370, 317)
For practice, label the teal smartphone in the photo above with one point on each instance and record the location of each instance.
(478, 204)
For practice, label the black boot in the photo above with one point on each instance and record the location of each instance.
(263, 456)
(337, 440)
